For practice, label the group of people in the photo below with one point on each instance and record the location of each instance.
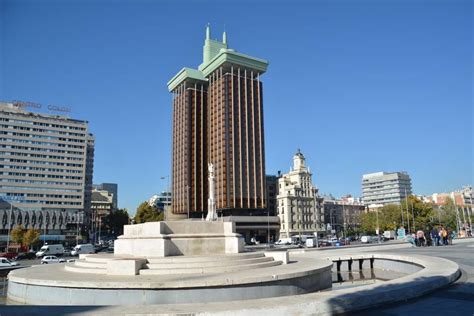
(438, 236)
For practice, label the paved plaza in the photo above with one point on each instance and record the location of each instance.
(457, 299)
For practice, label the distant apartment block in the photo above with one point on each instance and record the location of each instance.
(342, 216)
(111, 188)
(161, 200)
(463, 200)
(46, 164)
(383, 188)
(271, 192)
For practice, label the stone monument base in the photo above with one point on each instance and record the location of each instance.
(175, 238)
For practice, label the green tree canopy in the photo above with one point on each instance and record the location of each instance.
(420, 215)
(368, 222)
(115, 221)
(31, 237)
(390, 216)
(448, 214)
(146, 213)
(17, 234)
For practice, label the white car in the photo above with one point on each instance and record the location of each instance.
(368, 239)
(4, 262)
(51, 259)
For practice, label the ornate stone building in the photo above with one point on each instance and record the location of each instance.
(299, 206)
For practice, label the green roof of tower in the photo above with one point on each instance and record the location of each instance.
(189, 74)
(216, 53)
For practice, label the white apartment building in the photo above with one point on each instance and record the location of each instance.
(46, 166)
(299, 206)
(383, 188)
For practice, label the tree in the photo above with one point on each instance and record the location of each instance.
(31, 237)
(448, 214)
(17, 234)
(146, 213)
(420, 215)
(389, 217)
(115, 221)
(368, 222)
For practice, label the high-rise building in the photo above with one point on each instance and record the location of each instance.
(218, 119)
(46, 164)
(299, 206)
(383, 188)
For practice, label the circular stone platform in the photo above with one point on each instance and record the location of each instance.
(169, 280)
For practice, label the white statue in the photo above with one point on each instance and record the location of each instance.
(211, 201)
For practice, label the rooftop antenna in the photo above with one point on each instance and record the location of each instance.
(208, 31)
(224, 36)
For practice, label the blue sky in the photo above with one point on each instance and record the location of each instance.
(359, 86)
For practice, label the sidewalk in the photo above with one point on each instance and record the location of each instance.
(457, 299)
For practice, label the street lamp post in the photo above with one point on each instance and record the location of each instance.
(187, 198)
(268, 227)
(408, 215)
(44, 224)
(168, 190)
(77, 228)
(378, 227)
(9, 225)
(344, 234)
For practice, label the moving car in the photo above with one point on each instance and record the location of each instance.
(51, 259)
(4, 262)
(283, 241)
(84, 248)
(48, 250)
(26, 256)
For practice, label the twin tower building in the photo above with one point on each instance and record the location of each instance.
(218, 118)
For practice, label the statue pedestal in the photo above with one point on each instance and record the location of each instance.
(175, 238)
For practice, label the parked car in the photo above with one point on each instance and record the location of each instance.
(26, 256)
(51, 259)
(324, 243)
(369, 239)
(4, 262)
(8, 255)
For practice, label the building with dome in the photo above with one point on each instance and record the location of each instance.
(298, 203)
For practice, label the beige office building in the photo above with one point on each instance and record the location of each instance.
(46, 168)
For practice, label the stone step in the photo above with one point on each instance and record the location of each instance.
(77, 269)
(90, 264)
(203, 270)
(103, 258)
(214, 263)
(209, 258)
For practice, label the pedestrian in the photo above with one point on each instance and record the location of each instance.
(420, 236)
(452, 236)
(444, 235)
(435, 236)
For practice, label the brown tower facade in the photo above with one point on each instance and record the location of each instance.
(218, 118)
